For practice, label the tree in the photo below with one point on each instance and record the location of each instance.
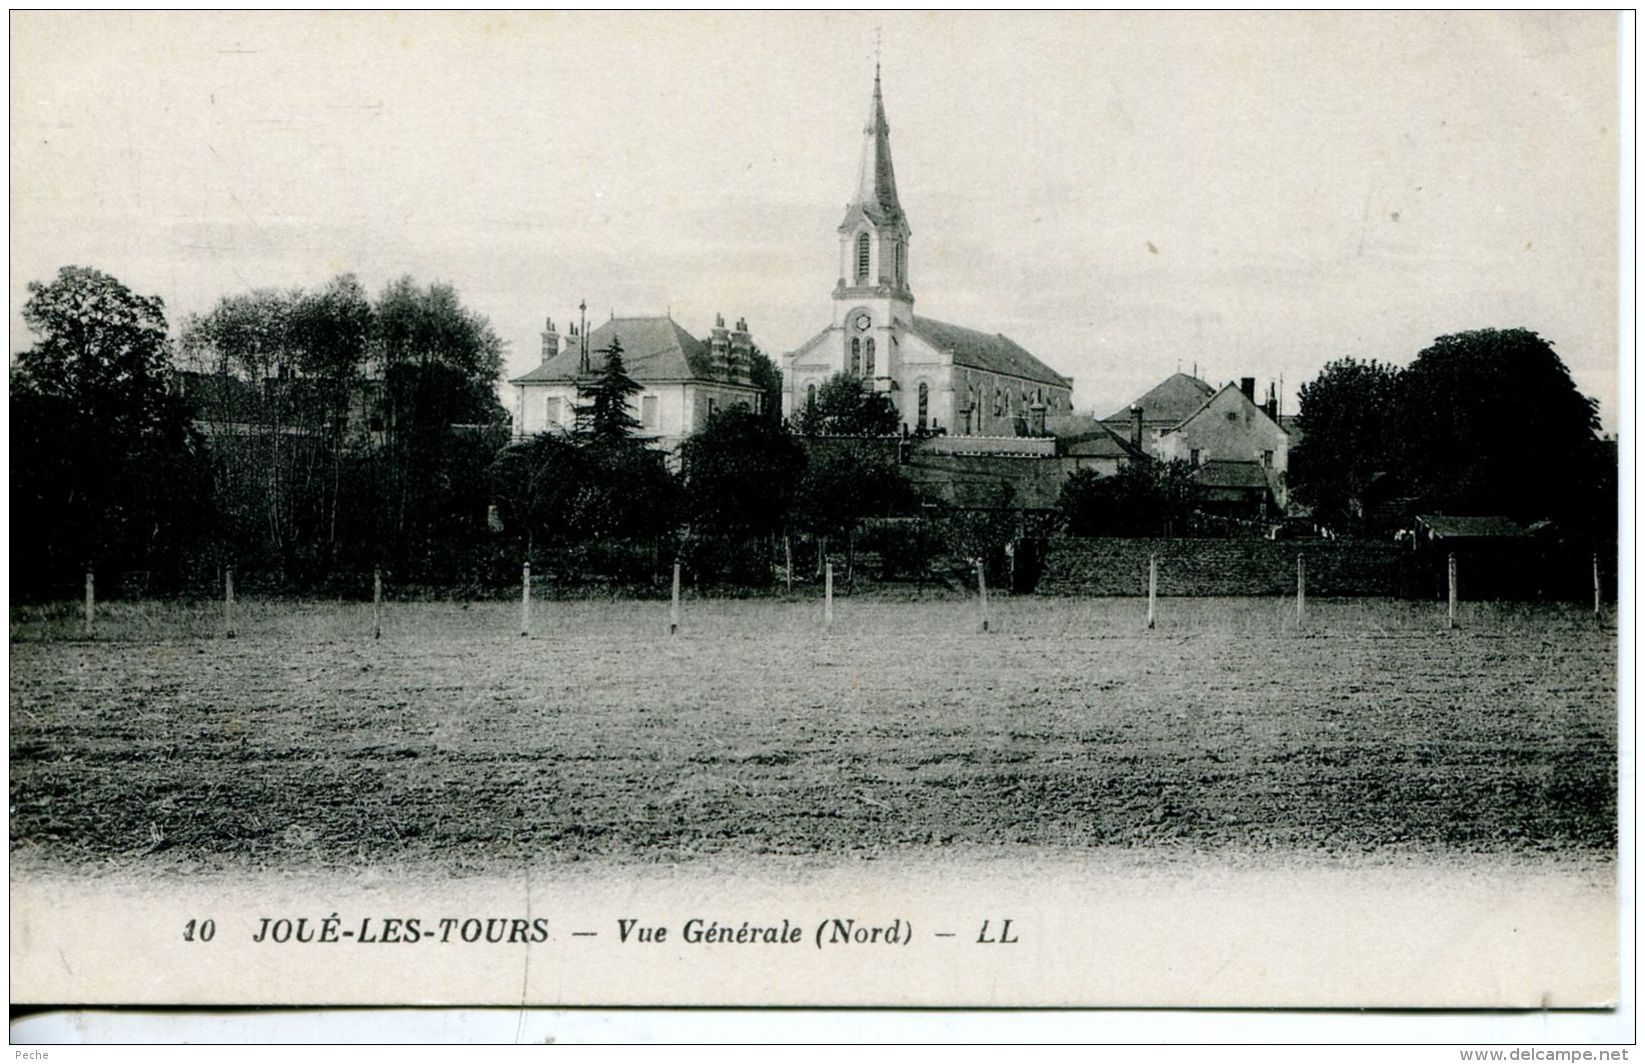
(605, 416)
(438, 363)
(280, 377)
(741, 472)
(105, 461)
(1490, 422)
(559, 490)
(1346, 418)
(769, 379)
(845, 483)
(1143, 498)
(847, 407)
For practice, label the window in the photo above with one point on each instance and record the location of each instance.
(902, 263)
(1267, 459)
(551, 411)
(925, 402)
(1193, 457)
(811, 395)
(648, 412)
(856, 357)
(711, 408)
(862, 256)
(999, 402)
(868, 357)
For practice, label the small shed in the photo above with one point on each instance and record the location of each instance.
(1497, 557)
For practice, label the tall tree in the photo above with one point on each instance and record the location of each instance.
(555, 489)
(846, 482)
(438, 363)
(1346, 419)
(1490, 422)
(1143, 498)
(280, 376)
(769, 379)
(104, 461)
(741, 472)
(605, 415)
(846, 406)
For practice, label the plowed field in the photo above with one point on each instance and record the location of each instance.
(455, 742)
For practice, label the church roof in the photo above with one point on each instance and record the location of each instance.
(876, 180)
(990, 352)
(1175, 399)
(654, 349)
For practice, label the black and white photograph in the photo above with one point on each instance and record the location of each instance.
(811, 509)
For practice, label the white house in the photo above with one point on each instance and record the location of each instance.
(685, 380)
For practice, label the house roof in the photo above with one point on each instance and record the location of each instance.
(1172, 400)
(1229, 473)
(1067, 426)
(654, 349)
(1494, 527)
(1214, 396)
(992, 352)
(1101, 442)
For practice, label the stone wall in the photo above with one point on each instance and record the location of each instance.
(1102, 566)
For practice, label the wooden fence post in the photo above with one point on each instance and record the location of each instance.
(91, 601)
(982, 593)
(1598, 601)
(228, 601)
(788, 562)
(1451, 597)
(1302, 589)
(674, 611)
(828, 595)
(525, 599)
(376, 604)
(1153, 584)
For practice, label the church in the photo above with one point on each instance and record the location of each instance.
(941, 378)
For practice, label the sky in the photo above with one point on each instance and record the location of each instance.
(1126, 195)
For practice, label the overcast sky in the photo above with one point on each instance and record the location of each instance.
(1125, 195)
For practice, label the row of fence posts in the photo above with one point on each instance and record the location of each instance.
(828, 596)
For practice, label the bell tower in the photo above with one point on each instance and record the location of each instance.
(872, 299)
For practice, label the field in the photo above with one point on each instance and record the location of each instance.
(454, 743)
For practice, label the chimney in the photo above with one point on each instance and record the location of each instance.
(719, 346)
(1248, 385)
(551, 341)
(1036, 419)
(741, 348)
(1136, 427)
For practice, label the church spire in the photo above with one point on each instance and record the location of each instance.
(876, 181)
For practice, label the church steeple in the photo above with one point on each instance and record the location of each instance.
(874, 233)
(876, 180)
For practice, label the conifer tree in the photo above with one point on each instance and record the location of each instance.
(604, 416)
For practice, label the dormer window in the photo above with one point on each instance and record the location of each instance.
(862, 256)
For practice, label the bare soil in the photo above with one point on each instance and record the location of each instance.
(455, 743)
